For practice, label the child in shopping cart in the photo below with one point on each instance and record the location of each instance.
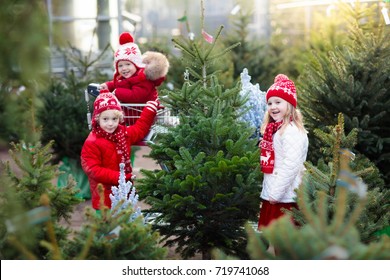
(136, 76)
(109, 144)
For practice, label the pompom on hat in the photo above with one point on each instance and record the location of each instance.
(128, 51)
(284, 88)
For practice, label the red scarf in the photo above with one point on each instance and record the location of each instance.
(267, 155)
(118, 137)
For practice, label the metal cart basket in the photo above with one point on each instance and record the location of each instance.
(132, 112)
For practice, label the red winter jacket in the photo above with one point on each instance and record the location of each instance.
(100, 160)
(136, 89)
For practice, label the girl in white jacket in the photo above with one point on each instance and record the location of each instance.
(283, 150)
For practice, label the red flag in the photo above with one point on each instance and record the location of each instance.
(207, 36)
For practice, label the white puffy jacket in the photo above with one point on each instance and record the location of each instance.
(290, 153)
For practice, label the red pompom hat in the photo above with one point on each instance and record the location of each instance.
(128, 51)
(103, 102)
(284, 88)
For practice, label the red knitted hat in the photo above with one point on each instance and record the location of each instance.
(128, 51)
(284, 88)
(105, 101)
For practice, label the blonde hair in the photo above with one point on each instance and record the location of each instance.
(292, 115)
(117, 113)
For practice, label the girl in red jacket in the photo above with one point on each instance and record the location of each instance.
(109, 144)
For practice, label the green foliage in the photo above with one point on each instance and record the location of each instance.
(20, 103)
(64, 114)
(244, 55)
(35, 180)
(23, 63)
(324, 236)
(204, 59)
(15, 108)
(210, 182)
(263, 59)
(353, 79)
(24, 186)
(24, 36)
(323, 178)
(209, 185)
(110, 237)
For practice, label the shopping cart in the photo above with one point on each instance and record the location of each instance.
(132, 112)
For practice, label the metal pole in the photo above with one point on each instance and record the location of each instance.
(120, 21)
(103, 24)
(50, 16)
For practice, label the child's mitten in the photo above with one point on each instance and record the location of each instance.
(152, 105)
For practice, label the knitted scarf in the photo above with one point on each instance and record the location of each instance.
(267, 156)
(118, 137)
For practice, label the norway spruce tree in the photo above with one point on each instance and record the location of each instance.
(353, 79)
(209, 185)
(264, 58)
(23, 62)
(374, 217)
(25, 183)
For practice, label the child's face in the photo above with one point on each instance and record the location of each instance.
(109, 120)
(126, 69)
(277, 108)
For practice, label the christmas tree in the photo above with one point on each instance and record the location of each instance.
(264, 58)
(353, 79)
(23, 67)
(24, 186)
(209, 186)
(323, 177)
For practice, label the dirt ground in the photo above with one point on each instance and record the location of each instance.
(140, 162)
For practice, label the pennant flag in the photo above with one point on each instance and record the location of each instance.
(182, 19)
(207, 36)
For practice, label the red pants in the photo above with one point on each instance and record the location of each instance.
(270, 212)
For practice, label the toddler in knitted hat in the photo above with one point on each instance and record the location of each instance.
(136, 76)
(109, 144)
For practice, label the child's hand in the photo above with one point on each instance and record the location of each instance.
(273, 201)
(103, 86)
(259, 142)
(152, 105)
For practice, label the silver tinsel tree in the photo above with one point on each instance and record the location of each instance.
(255, 107)
(124, 196)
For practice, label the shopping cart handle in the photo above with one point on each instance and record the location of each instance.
(93, 89)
